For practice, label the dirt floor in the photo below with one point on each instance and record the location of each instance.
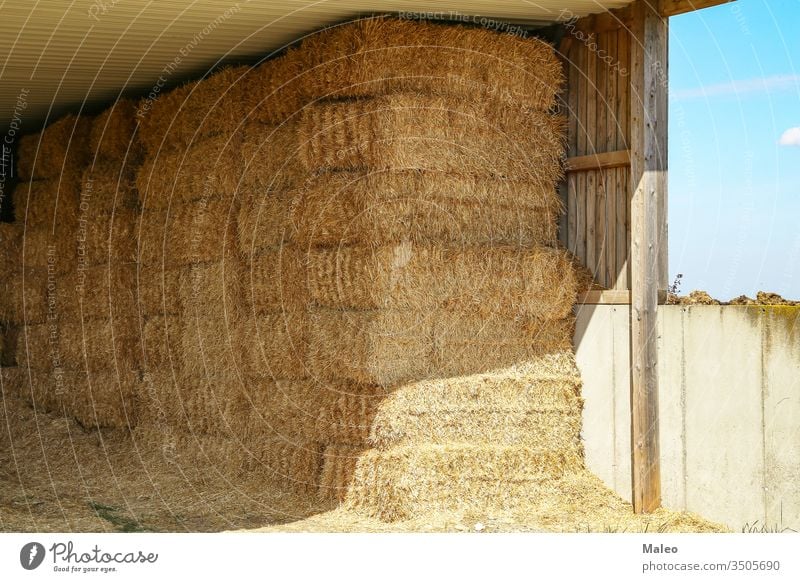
(56, 476)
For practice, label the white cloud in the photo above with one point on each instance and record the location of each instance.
(790, 137)
(740, 87)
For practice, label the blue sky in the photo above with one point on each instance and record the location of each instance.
(734, 189)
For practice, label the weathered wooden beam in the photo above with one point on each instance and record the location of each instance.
(599, 161)
(648, 163)
(599, 22)
(674, 7)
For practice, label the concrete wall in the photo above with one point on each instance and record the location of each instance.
(729, 394)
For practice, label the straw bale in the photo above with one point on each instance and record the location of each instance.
(50, 248)
(404, 132)
(61, 149)
(338, 468)
(98, 400)
(271, 155)
(214, 288)
(277, 89)
(475, 344)
(160, 345)
(209, 167)
(204, 108)
(273, 462)
(11, 245)
(113, 133)
(536, 283)
(373, 347)
(102, 292)
(388, 347)
(194, 403)
(107, 238)
(25, 303)
(295, 464)
(209, 344)
(345, 208)
(95, 346)
(196, 232)
(159, 290)
(276, 281)
(408, 481)
(41, 203)
(108, 185)
(321, 411)
(9, 333)
(263, 221)
(514, 406)
(382, 55)
(273, 345)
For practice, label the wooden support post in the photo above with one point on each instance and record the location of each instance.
(648, 169)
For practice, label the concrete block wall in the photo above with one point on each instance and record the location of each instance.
(729, 396)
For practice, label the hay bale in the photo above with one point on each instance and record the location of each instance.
(372, 347)
(208, 344)
(8, 344)
(536, 283)
(98, 400)
(209, 167)
(25, 298)
(474, 344)
(60, 150)
(294, 464)
(159, 290)
(276, 90)
(345, 208)
(11, 245)
(263, 221)
(196, 232)
(380, 55)
(194, 404)
(113, 133)
(338, 469)
(408, 481)
(43, 203)
(535, 404)
(212, 288)
(276, 282)
(388, 347)
(409, 132)
(160, 345)
(273, 345)
(326, 412)
(95, 346)
(53, 249)
(193, 111)
(108, 185)
(102, 292)
(106, 238)
(287, 465)
(271, 155)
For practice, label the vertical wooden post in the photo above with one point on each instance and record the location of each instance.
(648, 180)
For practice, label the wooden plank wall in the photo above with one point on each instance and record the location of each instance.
(596, 54)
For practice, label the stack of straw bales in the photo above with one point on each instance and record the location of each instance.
(341, 263)
(321, 230)
(213, 353)
(73, 299)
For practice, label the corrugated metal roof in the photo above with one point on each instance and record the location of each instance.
(59, 54)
